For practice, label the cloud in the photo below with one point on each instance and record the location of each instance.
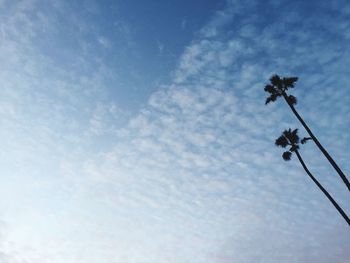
(183, 23)
(194, 176)
(160, 46)
(104, 42)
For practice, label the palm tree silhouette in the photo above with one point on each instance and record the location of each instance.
(278, 88)
(291, 139)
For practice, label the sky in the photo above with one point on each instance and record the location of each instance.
(136, 131)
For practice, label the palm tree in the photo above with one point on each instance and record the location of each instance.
(290, 139)
(278, 88)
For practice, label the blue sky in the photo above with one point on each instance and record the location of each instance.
(137, 132)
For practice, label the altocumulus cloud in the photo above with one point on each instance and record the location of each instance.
(193, 176)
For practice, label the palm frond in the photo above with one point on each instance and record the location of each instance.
(276, 81)
(287, 133)
(305, 139)
(294, 138)
(289, 82)
(294, 148)
(272, 98)
(281, 141)
(292, 100)
(270, 89)
(287, 156)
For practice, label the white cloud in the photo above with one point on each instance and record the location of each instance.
(183, 23)
(104, 42)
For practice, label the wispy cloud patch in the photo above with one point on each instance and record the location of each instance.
(183, 23)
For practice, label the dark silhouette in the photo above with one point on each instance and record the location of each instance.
(278, 88)
(290, 139)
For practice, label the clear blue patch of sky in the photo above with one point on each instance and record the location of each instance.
(158, 33)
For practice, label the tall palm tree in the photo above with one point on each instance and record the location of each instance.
(278, 87)
(291, 139)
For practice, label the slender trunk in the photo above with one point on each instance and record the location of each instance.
(319, 145)
(330, 198)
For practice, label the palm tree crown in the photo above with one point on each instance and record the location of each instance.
(290, 138)
(278, 86)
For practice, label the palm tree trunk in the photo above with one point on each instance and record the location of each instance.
(323, 150)
(330, 198)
